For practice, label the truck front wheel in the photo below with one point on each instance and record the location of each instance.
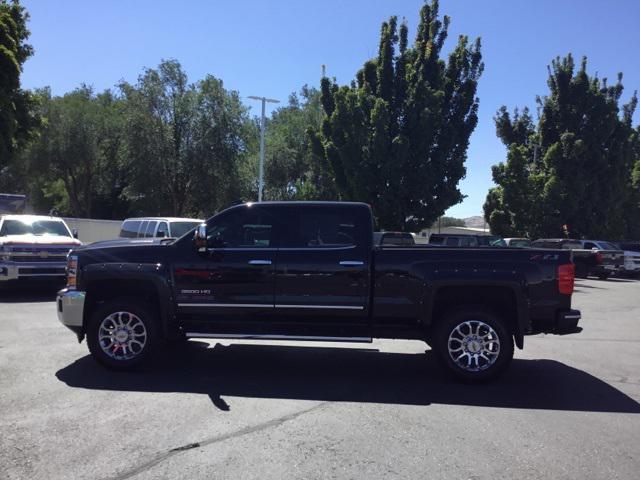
(473, 344)
(122, 333)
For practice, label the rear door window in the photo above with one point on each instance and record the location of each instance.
(151, 229)
(452, 242)
(142, 229)
(324, 227)
(468, 242)
(129, 229)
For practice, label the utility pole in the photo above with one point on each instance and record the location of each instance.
(264, 100)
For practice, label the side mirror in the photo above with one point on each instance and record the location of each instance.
(200, 237)
(161, 234)
(74, 232)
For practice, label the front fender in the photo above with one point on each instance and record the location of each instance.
(129, 277)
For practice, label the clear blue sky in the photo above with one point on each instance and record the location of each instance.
(274, 47)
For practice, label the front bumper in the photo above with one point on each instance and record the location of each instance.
(631, 267)
(31, 270)
(70, 306)
(567, 322)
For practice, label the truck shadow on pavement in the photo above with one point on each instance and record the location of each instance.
(348, 375)
(27, 295)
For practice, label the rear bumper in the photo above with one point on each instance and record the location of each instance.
(31, 270)
(567, 322)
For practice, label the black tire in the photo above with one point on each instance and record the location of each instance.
(603, 276)
(131, 308)
(502, 346)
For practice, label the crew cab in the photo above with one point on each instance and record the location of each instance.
(309, 271)
(34, 248)
(587, 261)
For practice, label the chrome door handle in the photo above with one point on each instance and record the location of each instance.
(351, 263)
(259, 262)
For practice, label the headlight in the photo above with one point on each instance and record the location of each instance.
(5, 253)
(72, 271)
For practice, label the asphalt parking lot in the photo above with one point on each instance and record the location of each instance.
(568, 408)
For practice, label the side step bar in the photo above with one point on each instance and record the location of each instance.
(278, 337)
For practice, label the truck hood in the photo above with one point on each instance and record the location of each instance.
(143, 250)
(44, 240)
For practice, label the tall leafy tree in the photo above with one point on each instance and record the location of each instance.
(186, 141)
(74, 165)
(571, 174)
(397, 136)
(292, 169)
(17, 119)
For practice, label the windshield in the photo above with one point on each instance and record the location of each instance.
(491, 241)
(178, 229)
(36, 227)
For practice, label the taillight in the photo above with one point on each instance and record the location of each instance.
(598, 258)
(566, 277)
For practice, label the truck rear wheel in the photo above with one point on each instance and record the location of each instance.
(122, 333)
(473, 344)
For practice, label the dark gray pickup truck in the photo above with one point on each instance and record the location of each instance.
(310, 271)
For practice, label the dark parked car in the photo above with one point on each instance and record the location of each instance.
(310, 271)
(393, 238)
(464, 240)
(612, 257)
(587, 261)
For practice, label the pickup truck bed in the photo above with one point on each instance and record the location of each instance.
(310, 271)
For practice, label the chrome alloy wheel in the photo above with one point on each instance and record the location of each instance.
(474, 346)
(122, 335)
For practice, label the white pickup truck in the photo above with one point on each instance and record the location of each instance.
(34, 247)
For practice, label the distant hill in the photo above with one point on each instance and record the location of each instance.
(474, 222)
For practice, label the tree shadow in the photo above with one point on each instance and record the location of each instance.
(348, 375)
(622, 279)
(582, 284)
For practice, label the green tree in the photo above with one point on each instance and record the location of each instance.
(75, 166)
(186, 140)
(17, 119)
(451, 222)
(292, 169)
(573, 169)
(397, 136)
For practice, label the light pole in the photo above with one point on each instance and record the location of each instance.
(264, 100)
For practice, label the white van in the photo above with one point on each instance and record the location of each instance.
(157, 227)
